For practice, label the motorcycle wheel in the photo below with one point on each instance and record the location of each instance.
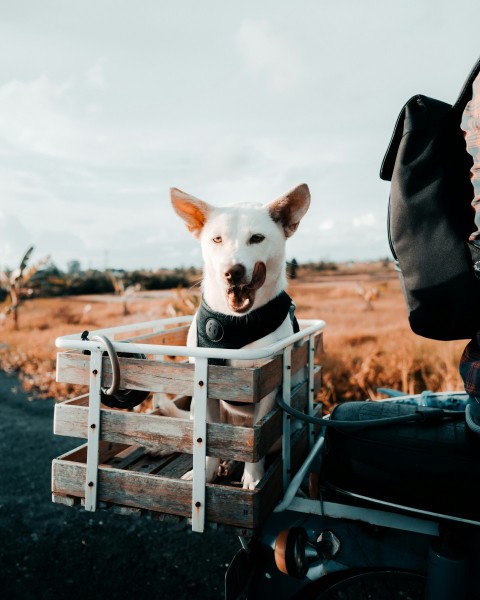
(375, 585)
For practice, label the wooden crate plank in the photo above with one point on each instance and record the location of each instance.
(267, 432)
(151, 464)
(65, 500)
(250, 384)
(318, 344)
(136, 373)
(154, 431)
(165, 518)
(177, 467)
(151, 492)
(77, 401)
(167, 377)
(176, 336)
(269, 376)
(127, 457)
(273, 480)
(105, 452)
(127, 511)
(224, 504)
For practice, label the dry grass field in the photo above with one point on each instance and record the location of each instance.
(368, 343)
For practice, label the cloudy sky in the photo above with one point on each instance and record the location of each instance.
(106, 104)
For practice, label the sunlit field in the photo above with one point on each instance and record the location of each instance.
(368, 342)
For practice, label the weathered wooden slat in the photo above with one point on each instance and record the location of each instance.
(274, 476)
(77, 401)
(154, 431)
(151, 464)
(65, 500)
(127, 511)
(250, 384)
(178, 467)
(269, 376)
(106, 451)
(151, 492)
(266, 433)
(318, 344)
(177, 336)
(148, 375)
(229, 505)
(155, 376)
(127, 457)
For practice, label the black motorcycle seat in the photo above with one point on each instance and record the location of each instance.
(432, 466)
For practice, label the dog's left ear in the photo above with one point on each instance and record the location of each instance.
(290, 208)
(193, 211)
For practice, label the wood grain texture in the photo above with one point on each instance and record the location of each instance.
(160, 489)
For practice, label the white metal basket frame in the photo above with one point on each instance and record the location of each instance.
(308, 329)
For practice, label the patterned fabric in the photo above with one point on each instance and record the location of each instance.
(470, 360)
(470, 367)
(471, 127)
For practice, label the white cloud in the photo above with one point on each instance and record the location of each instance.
(33, 118)
(368, 220)
(326, 225)
(96, 74)
(270, 54)
(14, 240)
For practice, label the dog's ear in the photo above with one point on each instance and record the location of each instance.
(192, 210)
(290, 208)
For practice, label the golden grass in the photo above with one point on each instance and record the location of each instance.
(365, 348)
(369, 348)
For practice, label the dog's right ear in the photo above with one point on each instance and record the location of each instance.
(290, 208)
(193, 211)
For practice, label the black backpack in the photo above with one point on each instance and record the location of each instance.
(430, 216)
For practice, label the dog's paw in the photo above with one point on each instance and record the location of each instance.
(248, 483)
(188, 475)
(211, 470)
(158, 453)
(226, 468)
(252, 475)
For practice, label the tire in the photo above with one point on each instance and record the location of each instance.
(374, 585)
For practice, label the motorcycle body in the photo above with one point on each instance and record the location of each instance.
(390, 512)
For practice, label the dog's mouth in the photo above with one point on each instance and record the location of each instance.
(241, 296)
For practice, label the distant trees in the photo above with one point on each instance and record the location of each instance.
(16, 284)
(292, 268)
(45, 279)
(74, 267)
(322, 265)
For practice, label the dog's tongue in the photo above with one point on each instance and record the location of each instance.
(258, 276)
(241, 297)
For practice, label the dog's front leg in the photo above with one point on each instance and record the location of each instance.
(212, 466)
(253, 472)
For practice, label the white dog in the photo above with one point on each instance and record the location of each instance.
(244, 280)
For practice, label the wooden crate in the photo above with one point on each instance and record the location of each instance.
(224, 382)
(131, 479)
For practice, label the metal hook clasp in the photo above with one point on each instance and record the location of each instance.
(113, 389)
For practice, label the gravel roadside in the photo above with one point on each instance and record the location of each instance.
(50, 551)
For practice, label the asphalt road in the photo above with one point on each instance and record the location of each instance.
(48, 551)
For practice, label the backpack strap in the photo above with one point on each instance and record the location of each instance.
(440, 108)
(466, 91)
(419, 109)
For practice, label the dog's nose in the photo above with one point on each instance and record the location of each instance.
(235, 274)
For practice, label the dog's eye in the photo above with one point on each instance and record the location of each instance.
(257, 238)
(217, 239)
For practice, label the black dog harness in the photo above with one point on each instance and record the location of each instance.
(216, 330)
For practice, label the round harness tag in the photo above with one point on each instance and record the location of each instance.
(214, 330)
